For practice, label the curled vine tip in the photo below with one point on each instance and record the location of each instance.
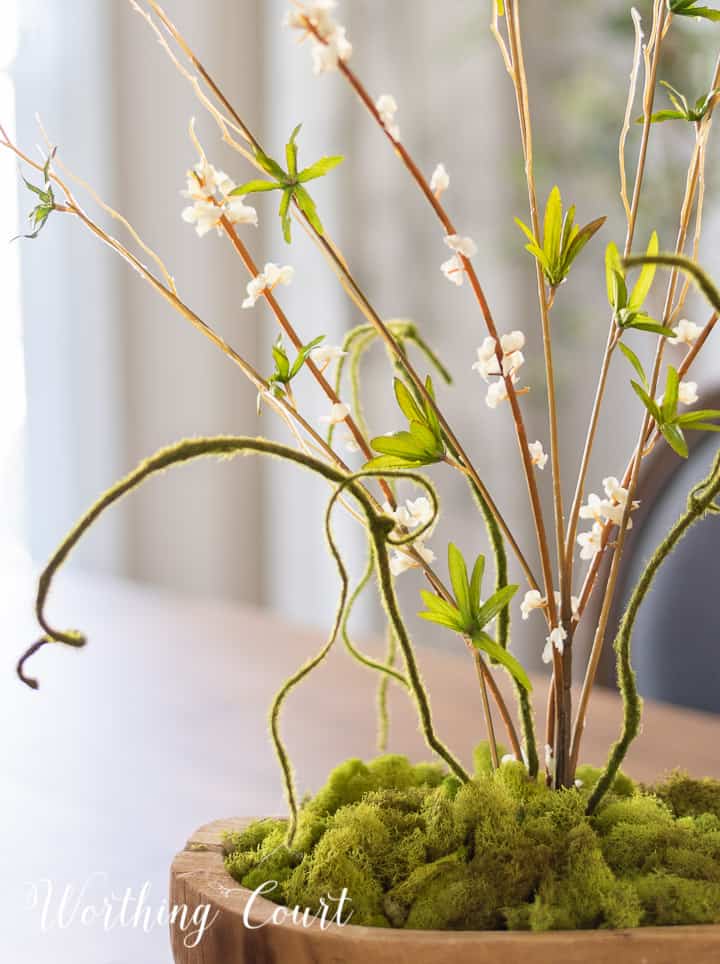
(30, 680)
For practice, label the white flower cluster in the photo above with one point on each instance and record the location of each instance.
(338, 413)
(487, 366)
(325, 355)
(608, 510)
(454, 269)
(209, 191)
(330, 41)
(271, 276)
(412, 515)
(387, 108)
(538, 455)
(686, 333)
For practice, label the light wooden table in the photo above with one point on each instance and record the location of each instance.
(159, 726)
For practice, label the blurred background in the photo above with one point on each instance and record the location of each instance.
(96, 372)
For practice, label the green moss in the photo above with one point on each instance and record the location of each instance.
(417, 849)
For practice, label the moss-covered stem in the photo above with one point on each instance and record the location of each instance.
(382, 693)
(701, 501)
(379, 528)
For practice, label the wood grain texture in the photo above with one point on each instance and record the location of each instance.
(199, 877)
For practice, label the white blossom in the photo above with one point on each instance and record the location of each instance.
(687, 393)
(538, 454)
(574, 604)
(411, 515)
(271, 276)
(209, 190)
(325, 355)
(512, 363)
(686, 332)
(487, 363)
(330, 43)
(454, 270)
(533, 600)
(440, 180)
(463, 246)
(349, 443)
(512, 342)
(556, 639)
(496, 393)
(615, 491)
(387, 108)
(591, 542)
(401, 561)
(595, 509)
(338, 413)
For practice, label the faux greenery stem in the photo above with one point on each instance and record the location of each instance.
(562, 664)
(701, 501)
(379, 529)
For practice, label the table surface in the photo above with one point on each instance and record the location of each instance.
(160, 725)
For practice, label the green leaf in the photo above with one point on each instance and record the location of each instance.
(406, 402)
(401, 443)
(703, 427)
(659, 117)
(678, 101)
(291, 153)
(392, 462)
(635, 362)
(320, 168)
(285, 214)
(526, 230)
(425, 438)
(646, 276)
(476, 584)
(430, 414)
(460, 584)
(442, 610)
(282, 361)
(652, 326)
(495, 604)
(697, 418)
(552, 225)
(255, 187)
(269, 165)
(495, 651)
(581, 239)
(307, 206)
(614, 277)
(688, 8)
(303, 354)
(670, 398)
(648, 402)
(675, 439)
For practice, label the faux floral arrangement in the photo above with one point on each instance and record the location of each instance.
(530, 840)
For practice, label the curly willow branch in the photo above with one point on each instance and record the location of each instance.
(379, 528)
(701, 502)
(684, 264)
(356, 343)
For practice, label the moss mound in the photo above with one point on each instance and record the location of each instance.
(416, 849)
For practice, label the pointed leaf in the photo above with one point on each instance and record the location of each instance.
(495, 651)
(391, 462)
(426, 441)
(497, 602)
(307, 206)
(401, 443)
(459, 581)
(648, 402)
(675, 439)
(320, 168)
(646, 276)
(552, 225)
(652, 326)
(408, 405)
(526, 230)
(672, 391)
(635, 362)
(613, 272)
(255, 187)
(476, 584)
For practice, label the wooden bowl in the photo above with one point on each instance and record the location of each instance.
(198, 877)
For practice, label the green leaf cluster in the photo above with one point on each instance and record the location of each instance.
(665, 411)
(690, 8)
(46, 201)
(469, 616)
(562, 239)
(290, 183)
(421, 444)
(284, 371)
(682, 109)
(628, 308)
